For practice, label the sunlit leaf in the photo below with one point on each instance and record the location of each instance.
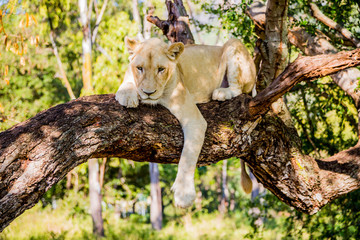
(25, 48)
(21, 24)
(8, 45)
(34, 19)
(5, 40)
(27, 20)
(32, 40)
(22, 61)
(37, 40)
(15, 48)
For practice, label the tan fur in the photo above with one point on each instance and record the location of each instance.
(178, 77)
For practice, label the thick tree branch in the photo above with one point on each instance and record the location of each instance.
(37, 153)
(334, 25)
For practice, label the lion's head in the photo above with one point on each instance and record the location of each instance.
(152, 63)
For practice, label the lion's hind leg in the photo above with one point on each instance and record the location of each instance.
(239, 70)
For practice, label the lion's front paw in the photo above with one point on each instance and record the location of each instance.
(222, 94)
(184, 194)
(127, 97)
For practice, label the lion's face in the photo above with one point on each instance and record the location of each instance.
(152, 64)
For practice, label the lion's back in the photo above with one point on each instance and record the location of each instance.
(200, 64)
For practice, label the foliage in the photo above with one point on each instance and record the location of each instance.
(343, 12)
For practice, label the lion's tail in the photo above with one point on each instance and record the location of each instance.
(246, 182)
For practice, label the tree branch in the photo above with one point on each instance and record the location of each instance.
(176, 28)
(98, 20)
(37, 153)
(334, 25)
(303, 69)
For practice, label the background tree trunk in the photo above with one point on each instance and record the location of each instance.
(224, 202)
(156, 203)
(95, 197)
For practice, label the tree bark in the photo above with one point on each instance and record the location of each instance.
(37, 153)
(274, 47)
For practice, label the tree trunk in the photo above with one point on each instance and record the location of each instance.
(86, 46)
(37, 153)
(224, 202)
(156, 204)
(95, 197)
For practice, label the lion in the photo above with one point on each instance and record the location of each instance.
(179, 77)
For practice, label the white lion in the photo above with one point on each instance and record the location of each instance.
(178, 77)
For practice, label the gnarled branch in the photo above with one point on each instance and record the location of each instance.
(176, 28)
(334, 25)
(37, 153)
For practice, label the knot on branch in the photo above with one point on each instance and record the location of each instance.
(176, 28)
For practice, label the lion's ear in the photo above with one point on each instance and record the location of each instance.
(175, 50)
(131, 45)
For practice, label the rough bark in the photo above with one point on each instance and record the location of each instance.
(37, 153)
(274, 47)
(274, 52)
(176, 28)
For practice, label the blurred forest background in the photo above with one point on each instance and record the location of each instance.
(44, 61)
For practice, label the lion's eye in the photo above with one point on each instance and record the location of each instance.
(161, 69)
(139, 68)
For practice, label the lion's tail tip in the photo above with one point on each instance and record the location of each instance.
(246, 182)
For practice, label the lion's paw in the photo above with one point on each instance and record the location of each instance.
(184, 194)
(221, 94)
(127, 97)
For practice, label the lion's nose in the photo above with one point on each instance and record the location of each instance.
(148, 92)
